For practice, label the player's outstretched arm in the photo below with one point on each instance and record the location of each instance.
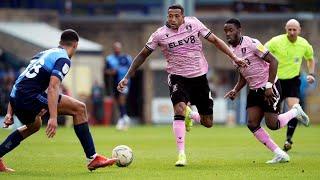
(53, 95)
(240, 84)
(137, 62)
(221, 45)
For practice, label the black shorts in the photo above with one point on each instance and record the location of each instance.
(256, 98)
(194, 90)
(290, 87)
(26, 109)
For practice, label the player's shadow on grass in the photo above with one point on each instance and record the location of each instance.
(53, 174)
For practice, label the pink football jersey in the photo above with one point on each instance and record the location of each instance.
(182, 48)
(257, 72)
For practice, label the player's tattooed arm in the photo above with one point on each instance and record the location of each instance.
(221, 45)
(273, 66)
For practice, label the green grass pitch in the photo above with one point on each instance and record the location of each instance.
(216, 153)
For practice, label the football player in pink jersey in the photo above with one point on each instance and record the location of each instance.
(180, 43)
(264, 88)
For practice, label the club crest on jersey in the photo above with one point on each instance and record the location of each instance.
(243, 51)
(189, 28)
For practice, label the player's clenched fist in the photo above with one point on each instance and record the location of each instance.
(231, 94)
(240, 62)
(8, 120)
(122, 85)
(310, 79)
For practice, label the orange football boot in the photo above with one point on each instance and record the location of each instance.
(100, 161)
(4, 168)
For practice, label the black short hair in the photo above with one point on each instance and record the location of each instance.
(69, 36)
(176, 6)
(234, 21)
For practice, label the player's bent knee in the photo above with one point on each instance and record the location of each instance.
(207, 122)
(81, 108)
(179, 108)
(34, 127)
(81, 114)
(38, 124)
(272, 122)
(272, 126)
(37, 128)
(252, 126)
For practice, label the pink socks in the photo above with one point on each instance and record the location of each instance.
(179, 130)
(286, 117)
(263, 136)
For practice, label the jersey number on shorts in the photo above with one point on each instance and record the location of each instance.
(33, 69)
